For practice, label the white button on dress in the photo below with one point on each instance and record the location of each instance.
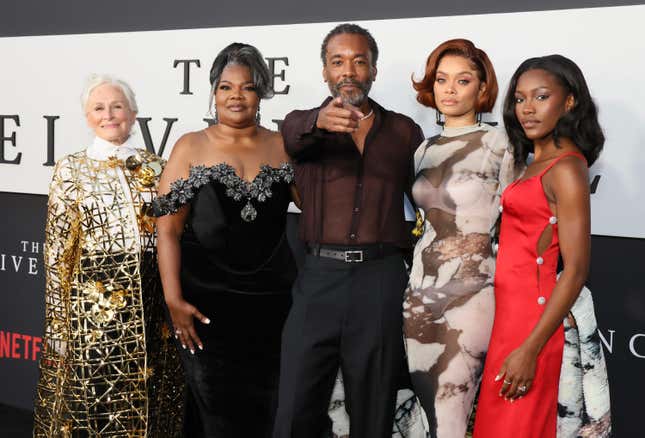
(541, 301)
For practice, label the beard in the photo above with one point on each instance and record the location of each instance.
(355, 97)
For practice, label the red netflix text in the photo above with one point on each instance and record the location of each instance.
(19, 346)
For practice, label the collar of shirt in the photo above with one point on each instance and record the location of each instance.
(102, 149)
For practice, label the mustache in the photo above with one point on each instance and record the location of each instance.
(352, 82)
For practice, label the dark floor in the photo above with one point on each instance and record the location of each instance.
(15, 422)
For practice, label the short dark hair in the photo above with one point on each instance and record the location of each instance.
(249, 56)
(353, 29)
(479, 60)
(580, 124)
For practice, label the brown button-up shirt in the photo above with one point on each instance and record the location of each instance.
(349, 198)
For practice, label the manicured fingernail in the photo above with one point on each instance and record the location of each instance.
(498, 378)
(183, 346)
(207, 321)
(192, 351)
(176, 337)
(201, 347)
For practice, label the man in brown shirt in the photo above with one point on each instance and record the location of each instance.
(353, 164)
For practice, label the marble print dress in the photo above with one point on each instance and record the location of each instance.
(449, 303)
(584, 407)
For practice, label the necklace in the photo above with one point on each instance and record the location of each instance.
(370, 114)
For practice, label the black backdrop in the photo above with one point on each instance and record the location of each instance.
(616, 278)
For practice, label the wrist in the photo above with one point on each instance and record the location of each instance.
(317, 127)
(174, 299)
(532, 346)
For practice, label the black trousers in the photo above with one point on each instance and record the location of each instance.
(347, 315)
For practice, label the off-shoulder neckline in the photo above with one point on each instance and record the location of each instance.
(263, 169)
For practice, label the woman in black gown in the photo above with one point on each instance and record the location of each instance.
(224, 260)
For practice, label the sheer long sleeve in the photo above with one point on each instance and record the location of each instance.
(508, 172)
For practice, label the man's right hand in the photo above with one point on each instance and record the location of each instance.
(339, 117)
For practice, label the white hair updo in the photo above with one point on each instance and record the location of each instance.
(95, 80)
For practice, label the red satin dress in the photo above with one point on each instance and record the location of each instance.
(524, 281)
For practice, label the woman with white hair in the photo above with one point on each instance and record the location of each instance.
(108, 366)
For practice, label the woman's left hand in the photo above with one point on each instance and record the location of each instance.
(517, 373)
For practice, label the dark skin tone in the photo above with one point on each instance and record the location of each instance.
(236, 140)
(540, 102)
(348, 58)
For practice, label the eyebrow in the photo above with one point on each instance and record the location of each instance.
(101, 103)
(465, 72)
(533, 90)
(541, 87)
(338, 55)
(229, 82)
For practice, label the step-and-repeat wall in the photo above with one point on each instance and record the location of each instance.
(41, 121)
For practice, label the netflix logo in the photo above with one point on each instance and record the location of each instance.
(19, 346)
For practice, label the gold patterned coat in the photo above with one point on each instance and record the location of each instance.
(108, 366)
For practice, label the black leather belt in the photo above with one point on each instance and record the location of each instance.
(354, 254)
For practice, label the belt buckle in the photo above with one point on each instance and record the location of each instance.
(354, 256)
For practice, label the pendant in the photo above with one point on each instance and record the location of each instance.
(249, 213)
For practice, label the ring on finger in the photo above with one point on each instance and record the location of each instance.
(507, 382)
(177, 331)
(522, 388)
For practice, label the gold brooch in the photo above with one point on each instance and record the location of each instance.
(145, 172)
(146, 176)
(133, 162)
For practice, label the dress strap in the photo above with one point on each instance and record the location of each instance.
(566, 154)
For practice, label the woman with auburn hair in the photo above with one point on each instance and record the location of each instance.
(544, 348)
(449, 304)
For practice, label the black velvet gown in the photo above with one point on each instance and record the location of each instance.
(237, 269)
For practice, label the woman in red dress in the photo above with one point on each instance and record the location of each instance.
(545, 214)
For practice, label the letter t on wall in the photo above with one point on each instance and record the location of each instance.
(186, 63)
